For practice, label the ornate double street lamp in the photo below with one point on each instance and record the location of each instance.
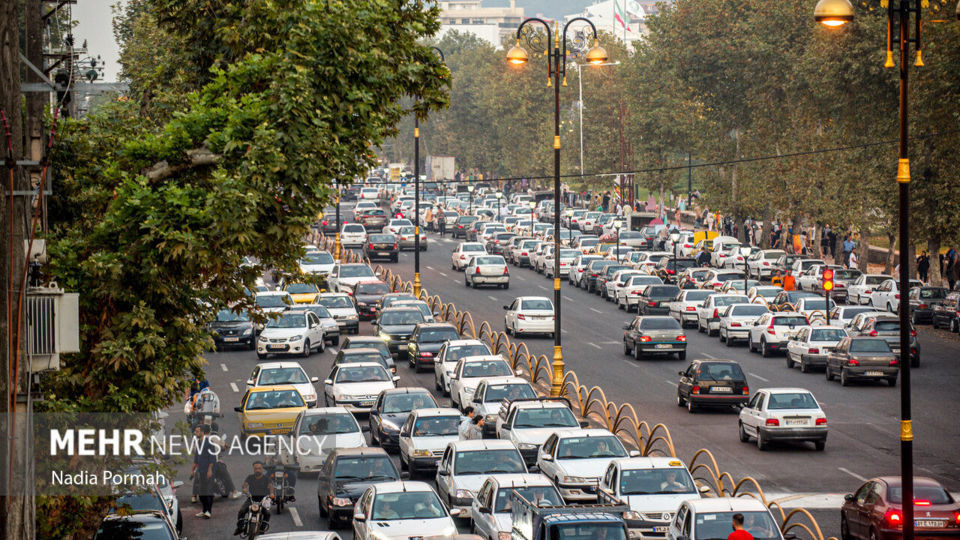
(557, 69)
(416, 196)
(835, 14)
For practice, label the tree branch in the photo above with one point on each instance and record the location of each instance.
(197, 157)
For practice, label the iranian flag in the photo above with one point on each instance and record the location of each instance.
(619, 14)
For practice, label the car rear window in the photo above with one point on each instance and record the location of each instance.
(436, 335)
(933, 293)
(728, 277)
(932, 494)
(748, 310)
(722, 301)
(827, 334)
(887, 326)
(792, 400)
(382, 238)
(662, 291)
(372, 288)
(490, 260)
(794, 320)
(697, 296)
(659, 323)
(722, 371)
(537, 304)
(869, 346)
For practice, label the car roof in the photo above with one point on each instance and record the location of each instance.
(726, 504)
(331, 294)
(272, 293)
(406, 390)
(583, 432)
(435, 411)
(519, 480)
(361, 364)
(281, 364)
(506, 379)
(275, 388)
(482, 358)
(534, 297)
(359, 451)
(650, 462)
(436, 325)
(359, 350)
(401, 486)
(325, 410)
(785, 390)
(472, 445)
(463, 342)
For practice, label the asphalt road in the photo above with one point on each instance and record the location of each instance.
(863, 419)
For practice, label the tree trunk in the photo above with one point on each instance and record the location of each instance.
(888, 264)
(816, 248)
(863, 251)
(933, 249)
(767, 229)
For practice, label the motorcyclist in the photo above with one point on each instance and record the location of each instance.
(256, 486)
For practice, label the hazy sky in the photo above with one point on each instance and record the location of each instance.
(95, 24)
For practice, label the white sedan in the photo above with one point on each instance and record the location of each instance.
(684, 308)
(736, 320)
(470, 371)
(316, 433)
(463, 252)
(487, 270)
(529, 315)
(356, 386)
(294, 332)
(812, 345)
(401, 510)
(887, 295)
(353, 235)
(859, 292)
(394, 226)
(783, 414)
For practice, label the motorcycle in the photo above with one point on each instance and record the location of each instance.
(253, 521)
(204, 409)
(282, 490)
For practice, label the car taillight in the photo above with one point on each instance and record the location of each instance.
(371, 245)
(716, 313)
(462, 257)
(913, 333)
(873, 333)
(735, 324)
(691, 308)
(765, 263)
(853, 362)
(521, 317)
(893, 518)
(687, 246)
(921, 502)
(868, 291)
(580, 270)
(696, 390)
(426, 355)
(635, 293)
(746, 390)
(594, 275)
(477, 269)
(821, 421)
(956, 518)
(324, 222)
(814, 351)
(897, 296)
(671, 272)
(645, 339)
(681, 338)
(654, 304)
(506, 272)
(894, 362)
(772, 422)
(739, 258)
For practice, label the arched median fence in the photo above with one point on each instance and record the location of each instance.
(591, 403)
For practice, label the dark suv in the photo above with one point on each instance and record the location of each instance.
(382, 246)
(947, 314)
(459, 229)
(712, 383)
(593, 271)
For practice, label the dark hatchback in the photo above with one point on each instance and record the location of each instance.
(395, 324)
(496, 245)
(654, 335)
(862, 358)
(367, 295)
(356, 355)
(389, 299)
(391, 410)
(947, 314)
(426, 341)
(141, 525)
(923, 300)
(887, 327)
(594, 271)
(382, 246)
(373, 219)
(656, 299)
(329, 224)
(712, 383)
(606, 275)
(668, 268)
(346, 474)
(232, 329)
(459, 228)
(875, 510)
(365, 342)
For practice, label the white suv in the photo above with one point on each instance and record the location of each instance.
(466, 464)
(576, 459)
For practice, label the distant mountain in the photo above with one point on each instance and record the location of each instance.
(549, 8)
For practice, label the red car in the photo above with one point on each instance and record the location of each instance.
(875, 511)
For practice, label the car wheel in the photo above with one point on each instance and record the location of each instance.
(750, 342)
(743, 434)
(506, 286)
(323, 345)
(253, 344)
(680, 401)
(953, 326)
(764, 349)
(306, 348)
(889, 307)
(321, 507)
(335, 341)
(844, 528)
(804, 368)
(626, 348)
(819, 445)
(728, 341)
(892, 381)
(828, 373)
(789, 361)
(844, 381)
(466, 283)
(637, 353)
(721, 336)
(475, 285)
(699, 326)
(261, 356)
(691, 408)
(762, 444)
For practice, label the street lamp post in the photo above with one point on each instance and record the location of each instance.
(834, 14)
(470, 189)
(336, 245)
(498, 195)
(616, 225)
(580, 104)
(416, 196)
(556, 66)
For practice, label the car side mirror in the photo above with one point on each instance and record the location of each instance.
(506, 307)
(584, 424)
(704, 489)
(396, 380)
(176, 484)
(328, 381)
(546, 457)
(359, 517)
(455, 512)
(249, 382)
(484, 510)
(404, 475)
(314, 379)
(634, 453)
(238, 409)
(849, 497)
(443, 472)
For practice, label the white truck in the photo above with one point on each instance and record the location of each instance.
(441, 168)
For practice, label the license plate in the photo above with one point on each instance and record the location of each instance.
(664, 345)
(721, 390)
(796, 422)
(660, 529)
(275, 347)
(874, 374)
(231, 339)
(928, 523)
(383, 253)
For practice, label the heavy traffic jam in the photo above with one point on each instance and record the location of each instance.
(407, 428)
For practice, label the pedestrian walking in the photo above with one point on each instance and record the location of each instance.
(853, 260)
(464, 429)
(923, 266)
(953, 269)
(789, 282)
(442, 222)
(205, 463)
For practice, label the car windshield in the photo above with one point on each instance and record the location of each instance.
(875, 280)
(887, 326)
(768, 292)
(933, 293)
(486, 368)
(490, 260)
(545, 417)
(228, 315)
(354, 374)
(659, 323)
(933, 494)
(319, 311)
(590, 447)
(405, 317)
(827, 334)
(372, 288)
(438, 335)
(273, 300)
(721, 371)
(407, 230)
(289, 320)
(301, 288)
(728, 277)
(317, 257)
(716, 525)
(792, 400)
(696, 296)
(567, 253)
(329, 423)
(290, 375)
(589, 242)
(275, 399)
(774, 255)
(341, 301)
(662, 291)
(537, 304)
(462, 351)
(542, 495)
(401, 403)
(389, 301)
(748, 310)
(408, 505)
(400, 222)
(365, 468)
(869, 346)
(817, 303)
(436, 426)
(488, 462)
(846, 274)
(730, 300)
(794, 320)
(473, 247)
(359, 270)
(357, 357)
(146, 500)
(129, 527)
(655, 481)
(509, 392)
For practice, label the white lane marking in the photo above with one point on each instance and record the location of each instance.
(456, 282)
(594, 345)
(595, 310)
(610, 342)
(709, 356)
(233, 386)
(223, 366)
(444, 274)
(563, 331)
(752, 374)
(671, 382)
(542, 287)
(428, 267)
(490, 296)
(296, 517)
(568, 299)
(851, 473)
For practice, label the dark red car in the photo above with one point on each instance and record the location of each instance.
(875, 511)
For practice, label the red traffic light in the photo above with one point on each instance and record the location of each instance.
(827, 279)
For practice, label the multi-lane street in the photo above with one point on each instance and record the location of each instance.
(862, 419)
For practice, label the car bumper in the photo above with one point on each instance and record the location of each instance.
(426, 462)
(280, 348)
(578, 492)
(737, 333)
(918, 534)
(397, 346)
(310, 463)
(535, 327)
(815, 360)
(794, 434)
(656, 310)
(367, 313)
(346, 325)
(490, 280)
(422, 361)
(231, 341)
(713, 324)
(718, 400)
(640, 529)
(861, 372)
(356, 406)
(381, 254)
(670, 347)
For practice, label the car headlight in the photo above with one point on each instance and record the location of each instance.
(632, 515)
(351, 317)
(291, 339)
(422, 453)
(263, 339)
(254, 424)
(247, 332)
(362, 304)
(309, 397)
(385, 337)
(340, 501)
(388, 425)
(464, 494)
(574, 480)
(526, 446)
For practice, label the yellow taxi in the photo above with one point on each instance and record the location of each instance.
(603, 248)
(302, 293)
(269, 410)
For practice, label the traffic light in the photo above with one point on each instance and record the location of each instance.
(827, 279)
